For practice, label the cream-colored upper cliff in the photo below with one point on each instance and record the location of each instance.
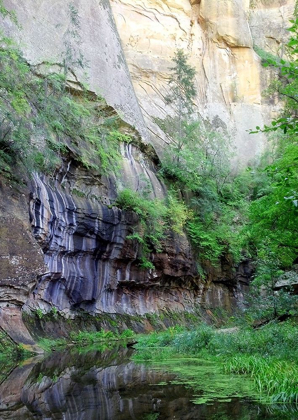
(218, 36)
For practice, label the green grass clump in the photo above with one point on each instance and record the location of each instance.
(269, 355)
(48, 344)
(275, 379)
(85, 338)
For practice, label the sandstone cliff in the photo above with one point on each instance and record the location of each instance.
(64, 242)
(219, 37)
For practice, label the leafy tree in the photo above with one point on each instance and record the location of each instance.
(198, 164)
(181, 96)
(273, 213)
(272, 231)
(285, 85)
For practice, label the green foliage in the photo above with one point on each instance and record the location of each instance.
(286, 85)
(177, 212)
(151, 416)
(208, 242)
(48, 344)
(273, 378)
(6, 345)
(273, 214)
(119, 137)
(215, 201)
(152, 215)
(85, 338)
(10, 351)
(4, 12)
(272, 229)
(265, 56)
(266, 302)
(156, 217)
(182, 93)
(41, 120)
(39, 313)
(181, 84)
(127, 334)
(197, 162)
(89, 337)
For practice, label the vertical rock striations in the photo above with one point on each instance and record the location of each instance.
(91, 262)
(81, 255)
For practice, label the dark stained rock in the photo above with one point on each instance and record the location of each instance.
(91, 264)
(21, 259)
(77, 256)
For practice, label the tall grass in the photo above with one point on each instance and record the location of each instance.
(275, 379)
(269, 355)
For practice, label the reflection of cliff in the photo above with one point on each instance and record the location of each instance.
(102, 386)
(93, 386)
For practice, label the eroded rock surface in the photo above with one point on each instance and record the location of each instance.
(217, 35)
(91, 264)
(79, 256)
(46, 35)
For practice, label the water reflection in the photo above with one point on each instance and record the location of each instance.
(108, 386)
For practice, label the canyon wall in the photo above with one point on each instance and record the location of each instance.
(218, 37)
(64, 242)
(46, 34)
(91, 262)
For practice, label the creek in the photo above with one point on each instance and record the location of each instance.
(84, 384)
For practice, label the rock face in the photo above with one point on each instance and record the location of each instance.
(218, 37)
(91, 264)
(21, 259)
(77, 255)
(47, 34)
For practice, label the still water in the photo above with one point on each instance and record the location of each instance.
(107, 385)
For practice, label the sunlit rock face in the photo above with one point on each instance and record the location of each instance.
(218, 37)
(91, 264)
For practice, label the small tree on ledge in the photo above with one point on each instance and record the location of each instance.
(182, 93)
